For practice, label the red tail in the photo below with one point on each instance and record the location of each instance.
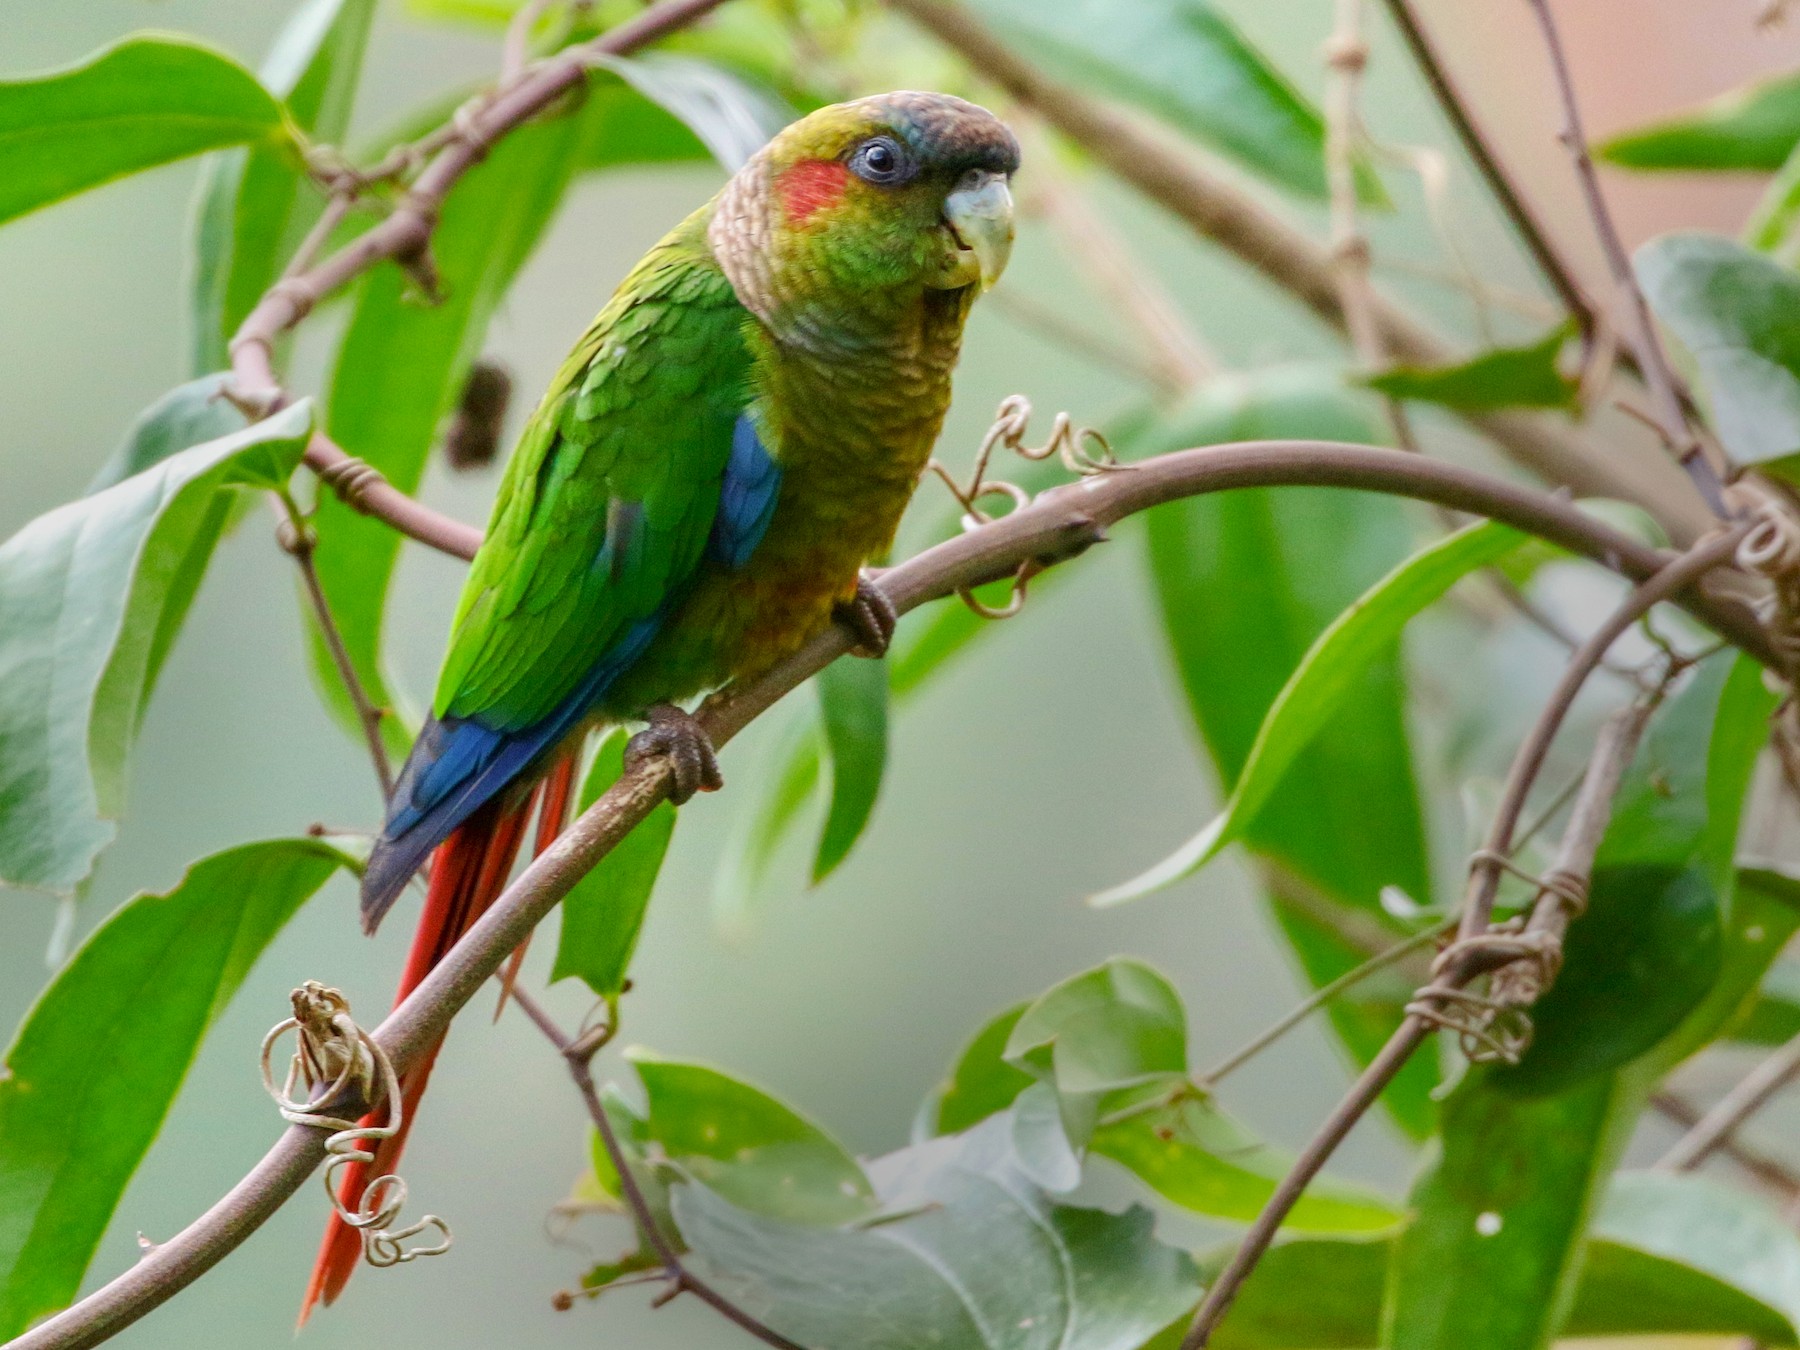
(468, 872)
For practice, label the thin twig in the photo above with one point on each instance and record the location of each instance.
(1320, 997)
(1652, 360)
(1464, 961)
(1058, 525)
(1267, 242)
(517, 44)
(299, 542)
(1487, 163)
(1776, 1175)
(579, 1056)
(1346, 56)
(1714, 1130)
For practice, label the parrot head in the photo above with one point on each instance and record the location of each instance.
(897, 194)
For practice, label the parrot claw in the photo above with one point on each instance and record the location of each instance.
(675, 736)
(871, 616)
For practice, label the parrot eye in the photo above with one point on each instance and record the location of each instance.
(880, 160)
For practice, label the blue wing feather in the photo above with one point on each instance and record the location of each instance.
(746, 498)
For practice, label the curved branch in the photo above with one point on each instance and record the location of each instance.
(1058, 525)
(405, 235)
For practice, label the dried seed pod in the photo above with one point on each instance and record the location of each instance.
(472, 439)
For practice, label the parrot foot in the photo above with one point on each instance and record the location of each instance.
(675, 736)
(871, 616)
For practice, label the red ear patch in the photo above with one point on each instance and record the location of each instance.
(811, 186)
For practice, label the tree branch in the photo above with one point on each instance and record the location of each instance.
(1467, 958)
(1652, 360)
(1058, 525)
(579, 1056)
(1265, 241)
(405, 236)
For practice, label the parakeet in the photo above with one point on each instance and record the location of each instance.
(726, 446)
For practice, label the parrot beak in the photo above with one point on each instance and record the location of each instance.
(980, 216)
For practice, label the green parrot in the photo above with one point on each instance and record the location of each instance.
(727, 445)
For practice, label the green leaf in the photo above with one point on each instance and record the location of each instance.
(758, 831)
(853, 711)
(1727, 1272)
(1701, 1228)
(749, 1149)
(604, 913)
(1119, 1025)
(1636, 964)
(981, 1083)
(1182, 1147)
(1754, 999)
(973, 1257)
(1262, 574)
(1193, 1154)
(1683, 793)
(1773, 1016)
(1492, 1254)
(92, 596)
(250, 212)
(185, 416)
(1184, 61)
(94, 1069)
(400, 368)
(1322, 686)
(139, 103)
(1770, 226)
(1505, 377)
(626, 128)
(1738, 312)
(730, 116)
(1752, 128)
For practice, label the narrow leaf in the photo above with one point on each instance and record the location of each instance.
(1184, 61)
(757, 833)
(1635, 965)
(1492, 1254)
(250, 212)
(96, 1065)
(1261, 574)
(730, 116)
(1752, 128)
(604, 913)
(1505, 377)
(139, 103)
(92, 596)
(853, 710)
(1325, 1293)
(1317, 689)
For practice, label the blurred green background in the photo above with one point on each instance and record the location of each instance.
(1055, 758)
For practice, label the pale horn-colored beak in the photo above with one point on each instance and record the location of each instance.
(980, 212)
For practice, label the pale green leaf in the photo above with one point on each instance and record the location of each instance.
(92, 596)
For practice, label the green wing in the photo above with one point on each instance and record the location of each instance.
(610, 495)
